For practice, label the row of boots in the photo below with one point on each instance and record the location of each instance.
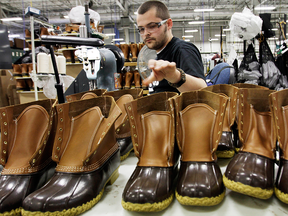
(83, 138)
(22, 70)
(132, 49)
(124, 80)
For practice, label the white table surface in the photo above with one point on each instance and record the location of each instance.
(234, 204)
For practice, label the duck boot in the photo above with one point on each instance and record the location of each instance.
(85, 95)
(126, 51)
(237, 143)
(151, 186)
(25, 70)
(119, 80)
(134, 51)
(199, 122)
(128, 79)
(140, 46)
(251, 171)
(122, 126)
(27, 34)
(137, 79)
(225, 147)
(87, 157)
(17, 72)
(279, 105)
(27, 135)
(21, 85)
(68, 55)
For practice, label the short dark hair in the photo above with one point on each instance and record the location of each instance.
(161, 9)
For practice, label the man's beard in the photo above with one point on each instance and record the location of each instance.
(157, 45)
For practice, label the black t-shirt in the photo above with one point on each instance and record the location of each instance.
(186, 56)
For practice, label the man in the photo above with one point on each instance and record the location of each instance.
(178, 66)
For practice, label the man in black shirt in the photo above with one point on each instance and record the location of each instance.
(178, 66)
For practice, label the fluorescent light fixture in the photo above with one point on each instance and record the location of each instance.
(187, 40)
(264, 7)
(194, 30)
(13, 35)
(204, 9)
(188, 36)
(196, 22)
(123, 42)
(214, 39)
(11, 19)
(110, 34)
(66, 17)
(274, 29)
(136, 13)
(117, 39)
(274, 38)
(218, 35)
(227, 29)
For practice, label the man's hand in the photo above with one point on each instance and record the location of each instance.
(162, 70)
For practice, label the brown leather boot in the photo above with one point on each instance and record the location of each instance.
(126, 51)
(85, 95)
(137, 79)
(134, 51)
(30, 84)
(151, 186)
(44, 31)
(119, 80)
(199, 122)
(17, 72)
(225, 147)
(25, 70)
(30, 68)
(278, 103)
(68, 55)
(251, 171)
(237, 143)
(140, 46)
(128, 79)
(122, 126)
(21, 85)
(27, 135)
(27, 34)
(88, 158)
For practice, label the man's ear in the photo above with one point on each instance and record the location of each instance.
(170, 23)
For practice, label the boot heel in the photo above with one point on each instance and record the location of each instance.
(113, 177)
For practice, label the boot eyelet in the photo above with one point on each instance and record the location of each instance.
(5, 133)
(5, 123)
(3, 113)
(4, 152)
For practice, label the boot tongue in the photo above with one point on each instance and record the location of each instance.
(83, 127)
(30, 129)
(120, 103)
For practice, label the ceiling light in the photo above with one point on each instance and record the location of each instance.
(66, 17)
(11, 19)
(110, 34)
(204, 9)
(218, 35)
(274, 29)
(227, 29)
(214, 39)
(123, 42)
(117, 39)
(194, 30)
(274, 38)
(264, 7)
(13, 35)
(196, 22)
(136, 13)
(187, 36)
(187, 40)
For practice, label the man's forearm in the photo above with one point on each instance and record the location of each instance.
(192, 83)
